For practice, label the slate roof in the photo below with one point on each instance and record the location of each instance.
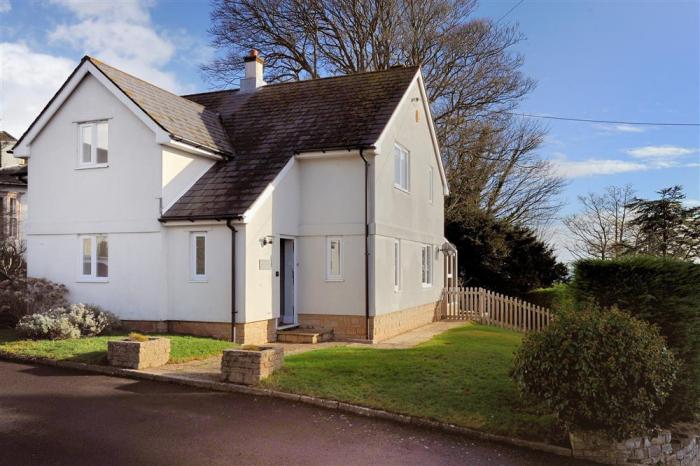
(266, 127)
(182, 118)
(13, 176)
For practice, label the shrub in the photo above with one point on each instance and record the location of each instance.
(135, 336)
(598, 370)
(73, 321)
(54, 325)
(665, 292)
(558, 297)
(25, 296)
(91, 320)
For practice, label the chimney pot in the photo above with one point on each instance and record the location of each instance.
(253, 72)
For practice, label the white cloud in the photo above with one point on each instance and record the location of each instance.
(122, 35)
(692, 202)
(589, 167)
(28, 81)
(660, 151)
(5, 6)
(621, 128)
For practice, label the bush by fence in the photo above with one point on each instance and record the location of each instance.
(665, 292)
(604, 371)
(72, 321)
(27, 295)
(557, 297)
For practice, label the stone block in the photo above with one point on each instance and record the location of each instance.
(249, 367)
(129, 354)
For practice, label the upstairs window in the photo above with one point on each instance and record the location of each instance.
(334, 259)
(94, 258)
(94, 146)
(198, 254)
(401, 168)
(427, 265)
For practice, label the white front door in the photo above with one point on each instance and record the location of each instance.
(287, 312)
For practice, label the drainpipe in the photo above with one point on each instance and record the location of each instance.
(366, 247)
(233, 279)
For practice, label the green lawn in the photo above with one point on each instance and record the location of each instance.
(460, 376)
(93, 350)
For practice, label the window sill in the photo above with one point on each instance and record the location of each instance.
(334, 280)
(427, 285)
(405, 191)
(199, 280)
(89, 167)
(92, 280)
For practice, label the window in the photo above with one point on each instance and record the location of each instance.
(427, 265)
(94, 257)
(334, 259)
(430, 185)
(401, 168)
(397, 265)
(13, 217)
(2, 218)
(93, 149)
(198, 248)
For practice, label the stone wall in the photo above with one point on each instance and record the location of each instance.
(249, 333)
(153, 352)
(250, 367)
(662, 449)
(381, 327)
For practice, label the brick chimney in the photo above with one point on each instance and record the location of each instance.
(253, 72)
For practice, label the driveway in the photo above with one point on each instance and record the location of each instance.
(54, 416)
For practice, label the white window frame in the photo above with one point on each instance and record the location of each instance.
(431, 185)
(93, 149)
(407, 157)
(13, 216)
(397, 265)
(92, 277)
(329, 276)
(427, 265)
(194, 276)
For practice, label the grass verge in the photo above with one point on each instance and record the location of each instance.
(460, 377)
(93, 350)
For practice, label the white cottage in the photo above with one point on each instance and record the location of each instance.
(238, 213)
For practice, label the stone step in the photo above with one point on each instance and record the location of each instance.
(304, 335)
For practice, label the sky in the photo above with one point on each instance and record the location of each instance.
(636, 61)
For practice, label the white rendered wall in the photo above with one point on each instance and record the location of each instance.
(121, 201)
(179, 172)
(409, 217)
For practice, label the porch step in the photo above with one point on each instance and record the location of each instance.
(304, 335)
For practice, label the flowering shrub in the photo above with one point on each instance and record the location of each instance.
(23, 296)
(603, 371)
(72, 321)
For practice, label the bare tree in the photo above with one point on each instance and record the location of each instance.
(604, 228)
(472, 77)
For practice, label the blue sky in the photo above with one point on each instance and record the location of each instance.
(621, 60)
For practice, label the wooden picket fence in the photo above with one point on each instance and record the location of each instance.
(489, 308)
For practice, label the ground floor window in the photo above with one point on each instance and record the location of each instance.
(397, 265)
(427, 265)
(334, 259)
(198, 249)
(94, 257)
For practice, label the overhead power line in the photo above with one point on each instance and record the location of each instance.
(509, 11)
(612, 122)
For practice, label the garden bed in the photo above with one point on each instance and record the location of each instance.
(93, 350)
(459, 377)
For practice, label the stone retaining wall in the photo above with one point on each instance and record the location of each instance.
(250, 367)
(662, 449)
(153, 352)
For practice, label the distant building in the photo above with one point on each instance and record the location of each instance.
(13, 190)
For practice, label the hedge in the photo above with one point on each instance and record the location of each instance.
(557, 298)
(665, 292)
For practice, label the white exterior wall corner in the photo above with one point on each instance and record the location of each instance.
(407, 217)
(66, 202)
(180, 171)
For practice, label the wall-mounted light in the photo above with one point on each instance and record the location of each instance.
(265, 240)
